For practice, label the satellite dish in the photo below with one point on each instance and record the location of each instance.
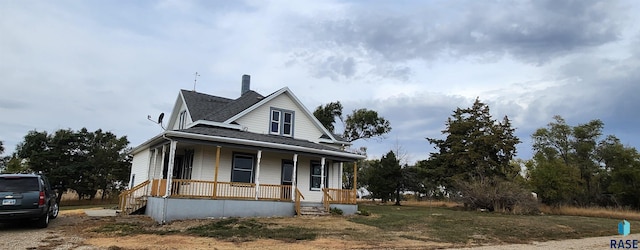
(159, 120)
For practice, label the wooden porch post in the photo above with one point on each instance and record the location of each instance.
(258, 174)
(215, 176)
(293, 177)
(355, 181)
(322, 180)
(152, 169)
(152, 164)
(164, 151)
(172, 156)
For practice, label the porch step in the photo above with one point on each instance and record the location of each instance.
(313, 211)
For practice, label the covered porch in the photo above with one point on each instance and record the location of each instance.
(221, 178)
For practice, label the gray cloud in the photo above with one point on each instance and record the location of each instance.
(533, 32)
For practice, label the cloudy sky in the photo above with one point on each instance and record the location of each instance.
(109, 64)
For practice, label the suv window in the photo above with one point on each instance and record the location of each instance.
(18, 184)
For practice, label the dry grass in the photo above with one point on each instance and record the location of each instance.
(70, 198)
(428, 203)
(601, 212)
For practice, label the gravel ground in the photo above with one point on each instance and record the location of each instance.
(25, 236)
(587, 243)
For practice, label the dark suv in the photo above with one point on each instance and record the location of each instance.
(27, 197)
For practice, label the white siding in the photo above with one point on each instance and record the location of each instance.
(155, 170)
(176, 122)
(334, 175)
(258, 120)
(140, 167)
(304, 178)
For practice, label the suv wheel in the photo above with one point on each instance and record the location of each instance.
(54, 211)
(43, 221)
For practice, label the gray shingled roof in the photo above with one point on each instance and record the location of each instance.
(200, 105)
(234, 107)
(214, 108)
(231, 133)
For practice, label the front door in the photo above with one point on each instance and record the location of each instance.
(287, 179)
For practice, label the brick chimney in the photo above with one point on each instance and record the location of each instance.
(246, 84)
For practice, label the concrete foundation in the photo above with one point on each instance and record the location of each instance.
(165, 210)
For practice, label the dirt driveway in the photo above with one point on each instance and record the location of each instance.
(72, 230)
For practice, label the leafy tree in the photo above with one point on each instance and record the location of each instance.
(83, 161)
(14, 165)
(561, 148)
(553, 181)
(624, 165)
(365, 124)
(327, 114)
(572, 164)
(347, 170)
(476, 146)
(1, 148)
(431, 177)
(360, 124)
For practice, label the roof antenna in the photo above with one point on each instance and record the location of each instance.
(159, 120)
(195, 79)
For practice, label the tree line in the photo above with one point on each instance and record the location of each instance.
(82, 160)
(475, 164)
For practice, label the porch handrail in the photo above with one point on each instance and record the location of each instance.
(338, 196)
(186, 188)
(127, 197)
(326, 199)
(298, 197)
(342, 196)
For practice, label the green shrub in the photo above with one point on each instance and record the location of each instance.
(364, 212)
(336, 211)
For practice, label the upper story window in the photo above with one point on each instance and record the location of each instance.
(281, 122)
(182, 123)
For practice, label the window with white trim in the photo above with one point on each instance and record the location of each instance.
(242, 168)
(182, 123)
(316, 175)
(281, 122)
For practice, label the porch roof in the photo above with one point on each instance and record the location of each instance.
(232, 136)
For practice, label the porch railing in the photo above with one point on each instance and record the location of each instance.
(134, 198)
(298, 197)
(338, 196)
(229, 190)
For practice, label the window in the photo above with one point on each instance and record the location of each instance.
(18, 184)
(281, 122)
(242, 168)
(316, 175)
(275, 122)
(187, 165)
(286, 123)
(182, 123)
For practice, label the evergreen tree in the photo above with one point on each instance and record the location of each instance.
(383, 178)
(476, 146)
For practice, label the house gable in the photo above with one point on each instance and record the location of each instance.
(178, 108)
(257, 118)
